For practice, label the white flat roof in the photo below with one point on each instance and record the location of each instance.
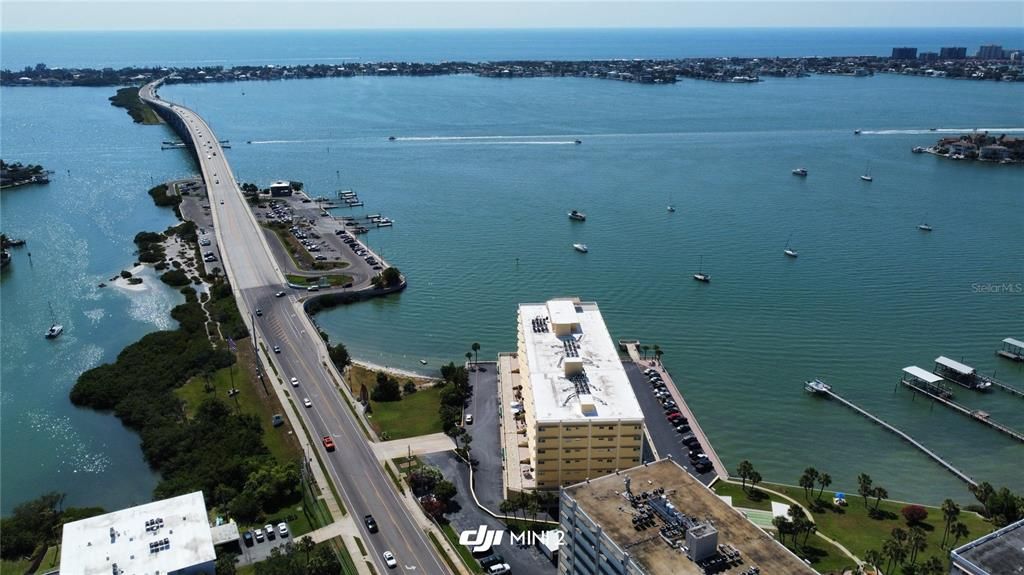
(280, 183)
(93, 546)
(954, 365)
(602, 391)
(922, 374)
(1014, 342)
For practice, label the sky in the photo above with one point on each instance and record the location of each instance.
(70, 15)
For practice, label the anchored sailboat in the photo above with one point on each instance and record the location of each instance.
(790, 251)
(55, 328)
(700, 275)
(867, 173)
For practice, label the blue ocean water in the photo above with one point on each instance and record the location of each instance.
(478, 183)
(228, 48)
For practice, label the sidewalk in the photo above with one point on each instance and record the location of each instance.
(433, 443)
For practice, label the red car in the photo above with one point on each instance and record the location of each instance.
(673, 415)
(328, 443)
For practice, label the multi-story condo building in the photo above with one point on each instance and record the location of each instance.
(904, 53)
(582, 418)
(991, 52)
(953, 53)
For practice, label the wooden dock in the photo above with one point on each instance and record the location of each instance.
(633, 348)
(976, 415)
(934, 456)
(1003, 386)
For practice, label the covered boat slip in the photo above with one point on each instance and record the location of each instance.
(960, 373)
(917, 378)
(1013, 349)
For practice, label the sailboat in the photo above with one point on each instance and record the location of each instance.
(867, 173)
(700, 275)
(790, 251)
(671, 207)
(924, 226)
(55, 328)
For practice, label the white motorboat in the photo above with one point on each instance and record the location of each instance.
(802, 172)
(578, 216)
(582, 248)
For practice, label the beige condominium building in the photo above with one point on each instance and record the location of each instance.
(582, 419)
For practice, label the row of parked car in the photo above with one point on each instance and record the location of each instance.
(359, 249)
(698, 458)
(279, 212)
(265, 533)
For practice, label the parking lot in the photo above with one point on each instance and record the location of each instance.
(486, 446)
(260, 549)
(667, 439)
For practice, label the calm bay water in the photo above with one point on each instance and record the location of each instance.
(478, 184)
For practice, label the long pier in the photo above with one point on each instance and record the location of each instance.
(976, 415)
(889, 427)
(1003, 386)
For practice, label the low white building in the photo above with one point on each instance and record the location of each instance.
(166, 537)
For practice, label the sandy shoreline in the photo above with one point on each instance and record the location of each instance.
(137, 271)
(393, 370)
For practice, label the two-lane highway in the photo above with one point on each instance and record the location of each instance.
(255, 278)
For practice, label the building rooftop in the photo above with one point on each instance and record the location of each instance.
(575, 371)
(603, 501)
(152, 539)
(999, 552)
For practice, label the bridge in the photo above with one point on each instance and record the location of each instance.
(255, 278)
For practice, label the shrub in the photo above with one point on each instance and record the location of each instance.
(126, 274)
(176, 278)
(914, 513)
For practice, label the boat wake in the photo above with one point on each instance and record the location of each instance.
(285, 141)
(945, 131)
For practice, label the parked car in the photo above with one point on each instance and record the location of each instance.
(499, 569)
(469, 419)
(248, 539)
(259, 534)
(495, 559)
(270, 531)
(282, 529)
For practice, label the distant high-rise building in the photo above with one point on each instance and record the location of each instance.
(928, 56)
(953, 53)
(904, 53)
(991, 52)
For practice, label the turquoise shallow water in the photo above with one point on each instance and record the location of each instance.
(479, 183)
(482, 174)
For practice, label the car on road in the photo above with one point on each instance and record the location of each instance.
(294, 381)
(247, 537)
(259, 312)
(307, 402)
(279, 294)
(313, 288)
(469, 419)
(371, 523)
(282, 529)
(389, 560)
(270, 531)
(328, 442)
(277, 349)
(259, 534)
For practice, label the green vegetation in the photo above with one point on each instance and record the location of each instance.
(746, 498)
(15, 567)
(128, 98)
(390, 277)
(415, 414)
(33, 527)
(339, 356)
(464, 554)
(162, 198)
(301, 557)
(335, 280)
(151, 249)
(298, 253)
(175, 278)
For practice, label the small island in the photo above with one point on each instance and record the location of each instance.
(17, 174)
(128, 98)
(978, 146)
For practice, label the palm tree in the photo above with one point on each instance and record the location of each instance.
(899, 539)
(872, 557)
(950, 511)
(824, 480)
(755, 478)
(916, 542)
(807, 481)
(879, 493)
(892, 550)
(783, 526)
(933, 566)
(959, 530)
(744, 469)
(657, 352)
(476, 348)
(864, 487)
(469, 356)
(506, 507)
(645, 349)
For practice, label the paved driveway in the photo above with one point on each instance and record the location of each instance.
(665, 437)
(523, 560)
(261, 549)
(486, 446)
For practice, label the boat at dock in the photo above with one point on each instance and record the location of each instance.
(582, 248)
(384, 223)
(577, 216)
(802, 172)
(817, 386)
(961, 374)
(700, 275)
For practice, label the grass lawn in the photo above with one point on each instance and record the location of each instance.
(857, 531)
(333, 279)
(750, 499)
(14, 567)
(252, 398)
(413, 415)
(50, 561)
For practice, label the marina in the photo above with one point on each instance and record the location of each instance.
(965, 375)
(924, 383)
(819, 387)
(1013, 349)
